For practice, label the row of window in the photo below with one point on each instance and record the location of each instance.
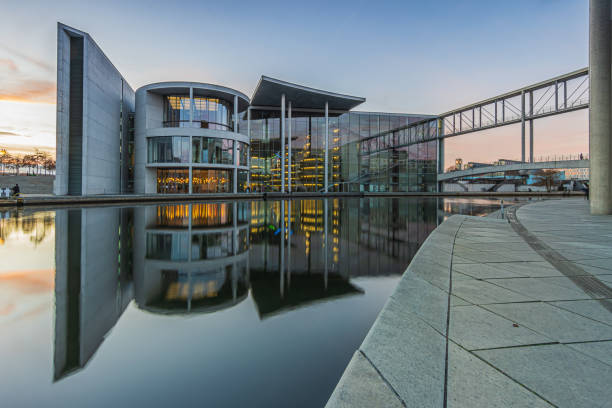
(175, 246)
(176, 181)
(209, 113)
(209, 150)
(401, 137)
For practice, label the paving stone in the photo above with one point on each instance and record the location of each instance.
(530, 269)
(483, 257)
(455, 301)
(476, 328)
(558, 373)
(473, 383)
(556, 323)
(599, 263)
(601, 350)
(432, 272)
(362, 386)
(483, 292)
(425, 300)
(539, 288)
(599, 310)
(484, 271)
(410, 355)
(458, 259)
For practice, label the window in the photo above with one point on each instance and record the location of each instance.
(177, 110)
(213, 150)
(168, 149)
(173, 181)
(212, 113)
(211, 181)
(243, 154)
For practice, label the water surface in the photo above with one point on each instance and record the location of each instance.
(215, 304)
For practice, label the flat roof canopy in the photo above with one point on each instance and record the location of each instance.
(199, 89)
(269, 90)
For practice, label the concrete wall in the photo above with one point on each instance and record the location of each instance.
(107, 99)
(149, 115)
(29, 184)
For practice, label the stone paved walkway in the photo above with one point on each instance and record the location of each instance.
(492, 313)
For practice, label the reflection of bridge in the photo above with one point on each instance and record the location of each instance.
(561, 164)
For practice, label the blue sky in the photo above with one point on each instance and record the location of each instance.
(405, 56)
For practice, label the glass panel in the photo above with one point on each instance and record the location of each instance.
(212, 245)
(177, 109)
(172, 149)
(243, 176)
(196, 149)
(211, 181)
(211, 113)
(243, 154)
(173, 181)
(211, 215)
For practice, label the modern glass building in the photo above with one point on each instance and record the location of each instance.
(198, 138)
(187, 139)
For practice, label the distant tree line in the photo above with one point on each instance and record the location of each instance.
(37, 163)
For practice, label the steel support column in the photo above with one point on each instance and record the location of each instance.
(249, 148)
(496, 112)
(235, 149)
(523, 126)
(326, 149)
(282, 149)
(531, 127)
(289, 147)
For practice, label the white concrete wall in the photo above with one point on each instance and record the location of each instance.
(60, 185)
(104, 90)
(149, 114)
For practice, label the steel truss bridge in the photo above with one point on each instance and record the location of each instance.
(560, 164)
(554, 96)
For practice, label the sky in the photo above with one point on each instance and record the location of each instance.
(402, 56)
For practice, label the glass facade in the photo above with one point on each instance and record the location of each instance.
(211, 181)
(168, 149)
(243, 154)
(208, 113)
(211, 113)
(212, 150)
(367, 152)
(177, 111)
(173, 181)
(243, 178)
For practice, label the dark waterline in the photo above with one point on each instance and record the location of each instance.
(174, 305)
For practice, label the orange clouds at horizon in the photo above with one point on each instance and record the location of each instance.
(32, 91)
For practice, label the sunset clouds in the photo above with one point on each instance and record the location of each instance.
(24, 78)
(27, 102)
(36, 91)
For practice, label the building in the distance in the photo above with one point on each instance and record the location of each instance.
(192, 138)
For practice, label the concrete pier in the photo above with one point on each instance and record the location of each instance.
(496, 313)
(600, 106)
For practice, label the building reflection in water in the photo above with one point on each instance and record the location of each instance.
(191, 257)
(201, 258)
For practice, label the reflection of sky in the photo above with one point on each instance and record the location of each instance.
(26, 308)
(26, 268)
(231, 357)
(410, 56)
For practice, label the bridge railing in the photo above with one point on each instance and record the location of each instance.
(539, 159)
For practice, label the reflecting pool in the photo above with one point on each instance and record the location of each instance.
(258, 303)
